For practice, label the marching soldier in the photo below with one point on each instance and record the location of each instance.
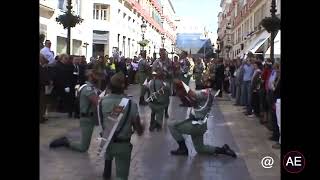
(89, 96)
(120, 147)
(196, 125)
(160, 94)
(143, 68)
(198, 70)
(163, 66)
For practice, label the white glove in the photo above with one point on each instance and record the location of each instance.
(67, 89)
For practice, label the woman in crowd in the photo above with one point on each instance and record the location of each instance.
(256, 85)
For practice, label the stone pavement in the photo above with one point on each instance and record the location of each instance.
(151, 159)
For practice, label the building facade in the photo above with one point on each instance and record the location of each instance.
(239, 26)
(81, 34)
(110, 25)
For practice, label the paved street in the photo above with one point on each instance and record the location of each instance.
(151, 159)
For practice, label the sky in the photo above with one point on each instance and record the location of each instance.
(203, 11)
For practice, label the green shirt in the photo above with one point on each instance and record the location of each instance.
(155, 85)
(85, 93)
(107, 105)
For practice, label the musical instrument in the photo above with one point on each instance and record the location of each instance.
(153, 96)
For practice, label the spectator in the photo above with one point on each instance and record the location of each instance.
(272, 82)
(227, 77)
(134, 65)
(41, 39)
(48, 54)
(238, 83)
(219, 74)
(232, 78)
(64, 84)
(246, 85)
(121, 66)
(277, 108)
(44, 81)
(83, 61)
(265, 77)
(256, 85)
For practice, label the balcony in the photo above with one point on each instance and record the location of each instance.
(46, 8)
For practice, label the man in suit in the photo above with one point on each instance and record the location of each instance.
(64, 83)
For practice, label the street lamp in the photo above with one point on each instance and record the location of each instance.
(163, 40)
(218, 49)
(212, 49)
(143, 31)
(273, 11)
(154, 52)
(85, 46)
(172, 51)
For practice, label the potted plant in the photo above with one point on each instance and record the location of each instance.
(69, 20)
(271, 24)
(143, 43)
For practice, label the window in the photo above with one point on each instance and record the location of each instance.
(101, 12)
(76, 6)
(62, 5)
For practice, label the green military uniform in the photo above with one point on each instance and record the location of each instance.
(87, 118)
(159, 104)
(184, 69)
(143, 75)
(120, 148)
(198, 70)
(195, 130)
(196, 126)
(165, 68)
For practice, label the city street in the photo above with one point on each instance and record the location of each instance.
(151, 159)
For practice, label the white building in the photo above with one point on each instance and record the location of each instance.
(49, 10)
(110, 24)
(246, 33)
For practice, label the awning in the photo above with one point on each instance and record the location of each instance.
(256, 43)
(277, 47)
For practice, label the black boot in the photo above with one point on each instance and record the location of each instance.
(182, 149)
(225, 149)
(142, 102)
(107, 169)
(60, 142)
(166, 112)
(152, 122)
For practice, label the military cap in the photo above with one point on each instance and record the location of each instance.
(118, 80)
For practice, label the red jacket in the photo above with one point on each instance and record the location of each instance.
(265, 77)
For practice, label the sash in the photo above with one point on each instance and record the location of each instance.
(108, 133)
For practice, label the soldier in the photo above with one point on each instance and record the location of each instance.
(143, 68)
(198, 70)
(176, 71)
(184, 67)
(120, 147)
(164, 67)
(196, 125)
(160, 94)
(88, 103)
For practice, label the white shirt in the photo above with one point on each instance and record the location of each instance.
(47, 54)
